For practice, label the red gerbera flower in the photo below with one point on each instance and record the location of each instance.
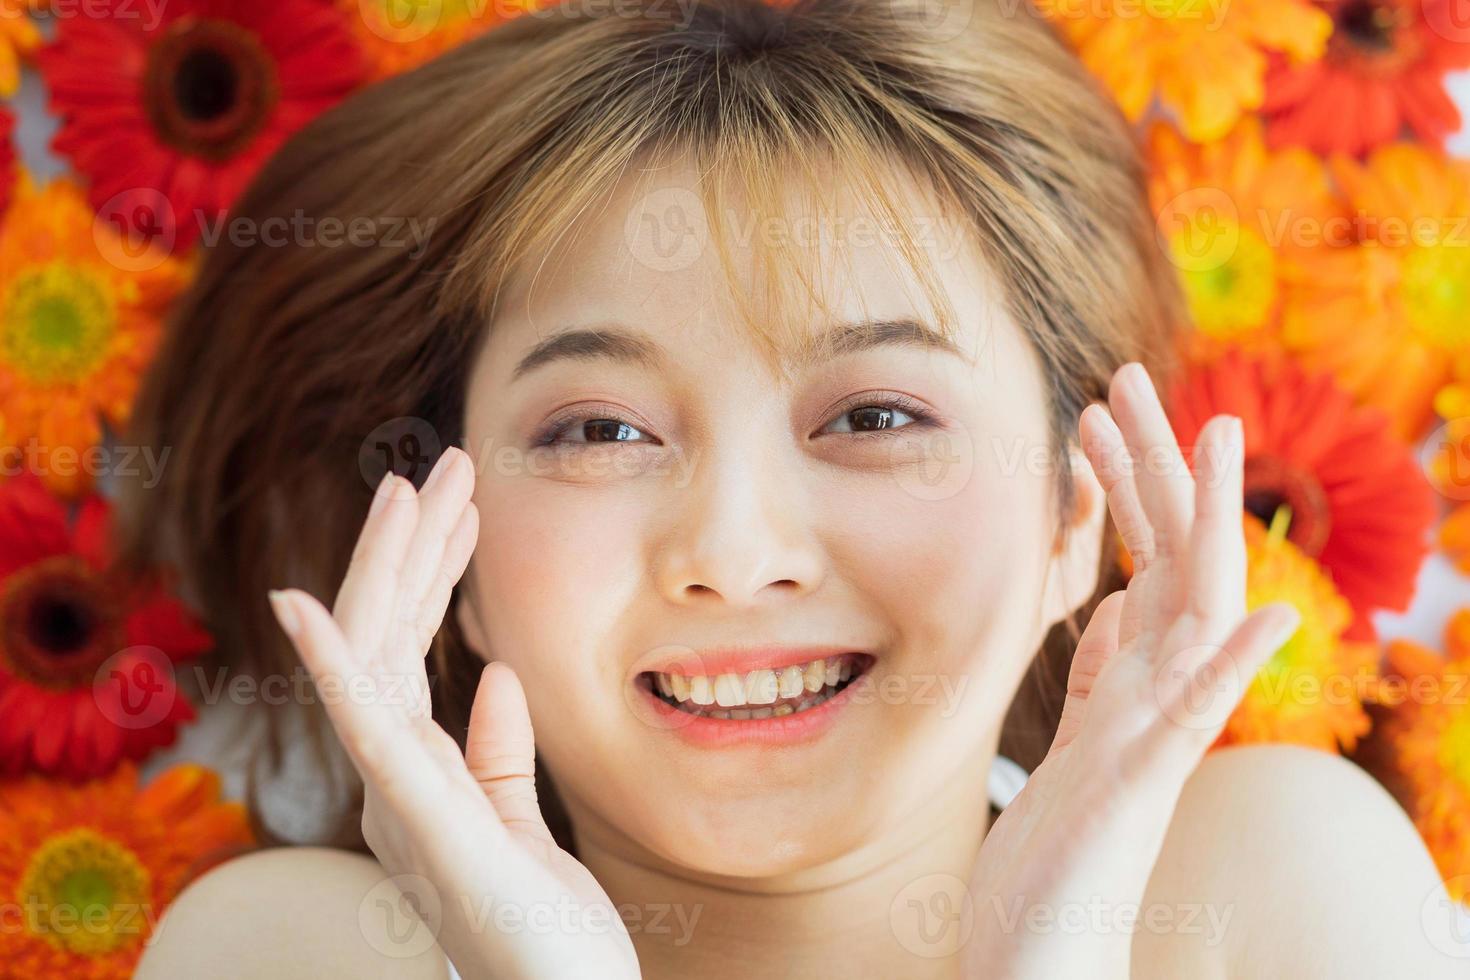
(1384, 70)
(86, 659)
(189, 108)
(1360, 505)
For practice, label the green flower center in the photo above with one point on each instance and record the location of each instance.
(1436, 290)
(1229, 276)
(85, 893)
(55, 323)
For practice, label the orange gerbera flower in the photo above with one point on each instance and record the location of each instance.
(1205, 60)
(91, 867)
(1388, 313)
(1384, 70)
(1425, 730)
(1234, 218)
(1454, 537)
(1359, 502)
(19, 38)
(396, 36)
(80, 314)
(1312, 691)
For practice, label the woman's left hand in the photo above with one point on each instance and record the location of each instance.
(1156, 674)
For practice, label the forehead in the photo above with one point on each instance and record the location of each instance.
(814, 253)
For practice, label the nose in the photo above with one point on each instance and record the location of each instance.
(741, 536)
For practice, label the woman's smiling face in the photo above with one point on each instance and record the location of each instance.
(660, 506)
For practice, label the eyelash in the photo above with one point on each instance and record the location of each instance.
(893, 401)
(556, 427)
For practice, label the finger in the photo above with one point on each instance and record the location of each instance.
(1108, 453)
(1098, 642)
(1165, 486)
(367, 600)
(1106, 450)
(500, 750)
(372, 729)
(1253, 643)
(1200, 688)
(458, 549)
(1217, 556)
(441, 503)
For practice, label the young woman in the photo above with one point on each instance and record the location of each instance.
(785, 372)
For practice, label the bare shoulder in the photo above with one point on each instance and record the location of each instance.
(1285, 861)
(290, 912)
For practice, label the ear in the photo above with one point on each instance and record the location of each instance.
(1072, 572)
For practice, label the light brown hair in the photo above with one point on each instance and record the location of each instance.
(281, 360)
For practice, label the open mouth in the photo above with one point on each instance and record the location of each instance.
(758, 694)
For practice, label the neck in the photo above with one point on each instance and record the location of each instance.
(889, 908)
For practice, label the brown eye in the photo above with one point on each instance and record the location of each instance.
(609, 430)
(870, 418)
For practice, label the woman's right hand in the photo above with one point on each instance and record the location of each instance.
(468, 823)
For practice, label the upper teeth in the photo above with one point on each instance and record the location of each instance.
(755, 687)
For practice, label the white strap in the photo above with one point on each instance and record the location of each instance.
(1006, 780)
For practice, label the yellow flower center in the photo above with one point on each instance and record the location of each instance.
(413, 19)
(1229, 276)
(1170, 9)
(1436, 290)
(86, 893)
(1454, 748)
(55, 321)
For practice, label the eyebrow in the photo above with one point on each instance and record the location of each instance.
(589, 344)
(619, 344)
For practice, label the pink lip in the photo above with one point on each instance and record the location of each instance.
(793, 729)
(740, 660)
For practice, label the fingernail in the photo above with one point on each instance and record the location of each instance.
(285, 611)
(1138, 378)
(1287, 620)
(382, 493)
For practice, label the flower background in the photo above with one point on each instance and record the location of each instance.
(1310, 184)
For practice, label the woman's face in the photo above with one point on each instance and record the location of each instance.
(656, 498)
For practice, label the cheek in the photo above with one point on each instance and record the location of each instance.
(956, 572)
(553, 568)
